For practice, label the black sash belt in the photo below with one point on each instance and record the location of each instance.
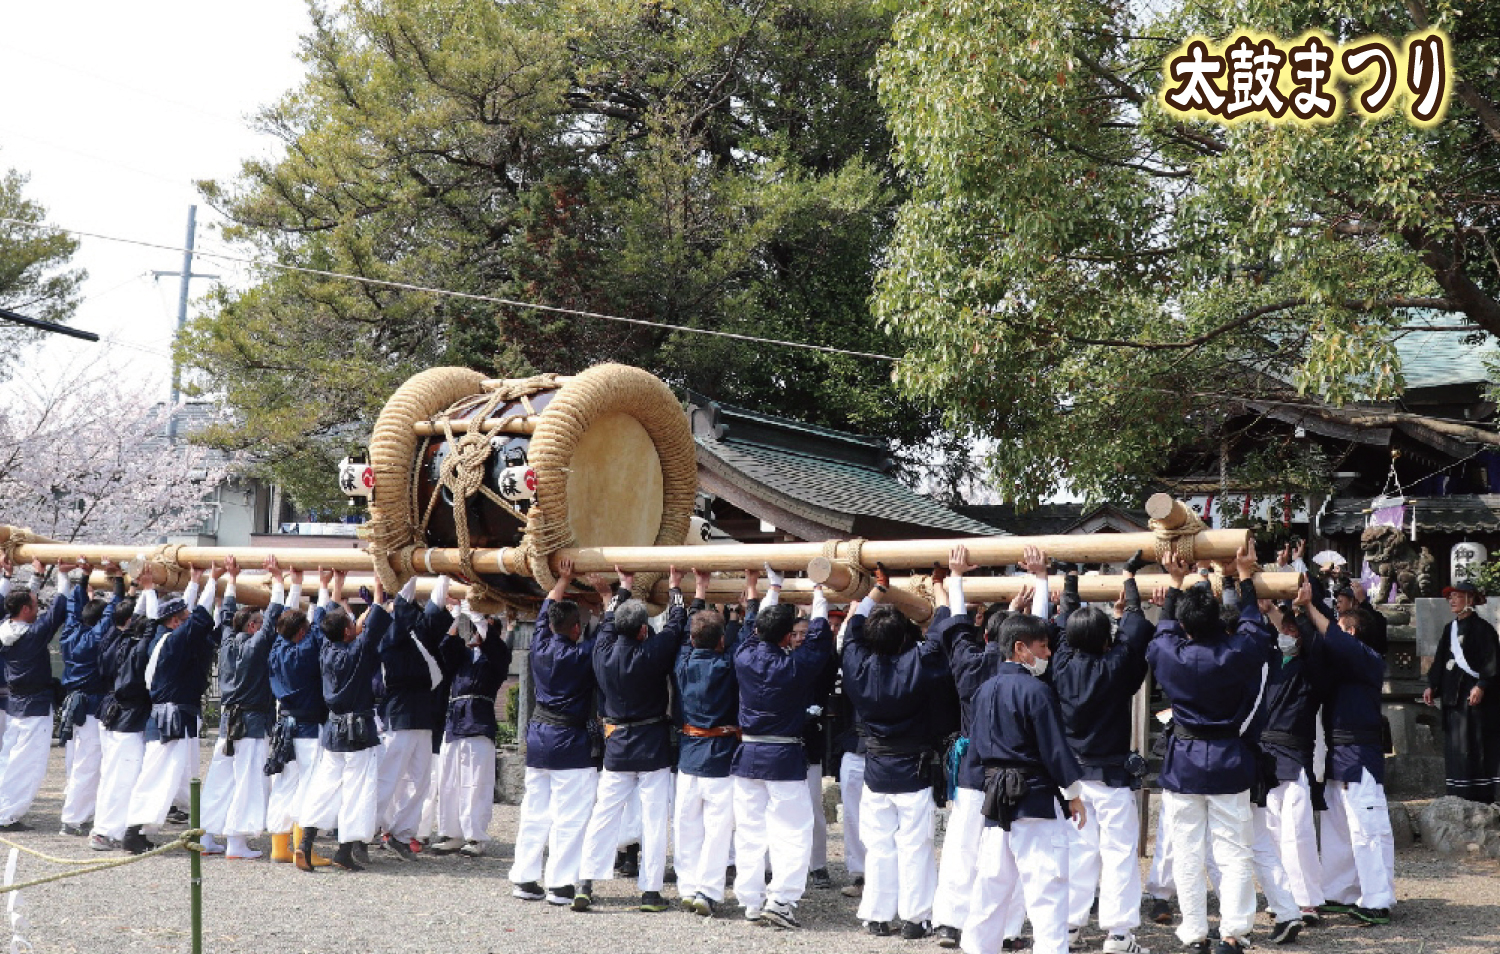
(545, 715)
(1205, 733)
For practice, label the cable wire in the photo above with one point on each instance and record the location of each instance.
(468, 296)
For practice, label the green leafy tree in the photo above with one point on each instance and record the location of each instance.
(1096, 284)
(707, 164)
(34, 278)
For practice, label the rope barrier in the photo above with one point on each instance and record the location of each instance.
(184, 842)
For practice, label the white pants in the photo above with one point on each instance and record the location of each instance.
(28, 739)
(554, 815)
(1269, 871)
(405, 773)
(167, 771)
(653, 792)
(1359, 852)
(1033, 855)
(430, 804)
(950, 907)
(703, 834)
(1159, 881)
(1230, 831)
(342, 794)
(851, 784)
(235, 791)
(121, 755)
(771, 819)
(466, 789)
(82, 759)
(1289, 818)
(818, 859)
(901, 872)
(290, 785)
(1102, 857)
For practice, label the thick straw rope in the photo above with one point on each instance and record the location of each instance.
(860, 580)
(573, 409)
(394, 518)
(1179, 539)
(397, 521)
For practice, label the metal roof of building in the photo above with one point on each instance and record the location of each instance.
(1460, 513)
(1439, 358)
(834, 479)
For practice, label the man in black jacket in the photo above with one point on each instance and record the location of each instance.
(1462, 674)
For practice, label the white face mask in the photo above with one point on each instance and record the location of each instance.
(1036, 667)
(1287, 645)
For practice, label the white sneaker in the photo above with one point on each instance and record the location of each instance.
(1115, 944)
(447, 846)
(1075, 939)
(753, 914)
(472, 849)
(211, 847)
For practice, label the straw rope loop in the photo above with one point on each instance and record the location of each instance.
(1177, 539)
(20, 537)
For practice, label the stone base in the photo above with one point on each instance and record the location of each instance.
(1456, 826)
(510, 775)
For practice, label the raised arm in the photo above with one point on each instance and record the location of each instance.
(1034, 561)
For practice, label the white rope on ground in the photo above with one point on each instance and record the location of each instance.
(186, 841)
(467, 296)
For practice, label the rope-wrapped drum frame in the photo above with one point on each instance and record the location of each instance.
(613, 461)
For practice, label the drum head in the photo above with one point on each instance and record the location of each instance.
(615, 485)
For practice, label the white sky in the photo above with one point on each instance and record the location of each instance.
(114, 110)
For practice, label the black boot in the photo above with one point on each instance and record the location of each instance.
(627, 862)
(135, 842)
(361, 852)
(344, 857)
(304, 855)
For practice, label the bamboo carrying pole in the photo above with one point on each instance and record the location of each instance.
(1216, 545)
(1219, 545)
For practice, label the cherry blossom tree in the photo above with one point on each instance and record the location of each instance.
(84, 457)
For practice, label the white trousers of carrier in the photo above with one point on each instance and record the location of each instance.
(1359, 852)
(652, 791)
(167, 771)
(465, 789)
(773, 820)
(702, 834)
(851, 784)
(1032, 856)
(341, 794)
(1227, 822)
(83, 758)
(121, 757)
(236, 789)
(1102, 857)
(28, 740)
(1289, 822)
(401, 788)
(900, 866)
(290, 785)
(554, 817)
(960, 856)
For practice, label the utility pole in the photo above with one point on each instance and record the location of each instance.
(187, 275)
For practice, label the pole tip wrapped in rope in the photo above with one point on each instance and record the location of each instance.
(1176, 527)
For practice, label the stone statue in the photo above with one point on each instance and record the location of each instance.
(1393, 558)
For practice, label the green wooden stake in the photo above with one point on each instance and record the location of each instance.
(195, 870)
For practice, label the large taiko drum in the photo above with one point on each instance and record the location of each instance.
(602, 458)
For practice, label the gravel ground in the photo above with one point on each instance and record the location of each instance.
(456, 905)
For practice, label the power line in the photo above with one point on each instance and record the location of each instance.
(467, 296)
